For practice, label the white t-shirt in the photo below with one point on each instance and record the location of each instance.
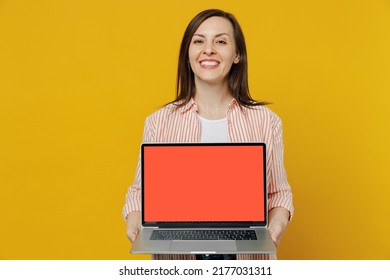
(213, 131)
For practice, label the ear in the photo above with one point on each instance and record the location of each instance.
(236, 59)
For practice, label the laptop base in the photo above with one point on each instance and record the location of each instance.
(143, 245)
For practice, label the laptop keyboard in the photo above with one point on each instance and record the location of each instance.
(203, 235)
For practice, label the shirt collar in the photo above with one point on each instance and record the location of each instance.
(234, 104)
(190, 105)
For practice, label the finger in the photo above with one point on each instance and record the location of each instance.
(132, 234)
(274, 239)
(275, 236)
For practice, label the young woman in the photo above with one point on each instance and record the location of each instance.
(213, 104)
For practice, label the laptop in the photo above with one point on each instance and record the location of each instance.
(200, 198)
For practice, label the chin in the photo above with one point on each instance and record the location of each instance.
(212, 79)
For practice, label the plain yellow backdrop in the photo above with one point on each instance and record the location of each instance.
(78, 78)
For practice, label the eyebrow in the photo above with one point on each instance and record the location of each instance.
(218, 35)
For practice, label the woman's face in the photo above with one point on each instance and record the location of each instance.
(212, 51)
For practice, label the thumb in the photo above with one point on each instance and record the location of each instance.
(133, 236)
(132, 233)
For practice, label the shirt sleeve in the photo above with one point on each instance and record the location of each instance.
(133, 195)
(279, 191)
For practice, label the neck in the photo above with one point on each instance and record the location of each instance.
(212, 100)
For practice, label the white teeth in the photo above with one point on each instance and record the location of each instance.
(209, 63)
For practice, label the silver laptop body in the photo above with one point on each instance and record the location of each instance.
(198, 187)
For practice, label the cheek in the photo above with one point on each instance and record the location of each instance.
(192, 62)
(191, 66)
(193, 54)
(233, 56)
(224, 55)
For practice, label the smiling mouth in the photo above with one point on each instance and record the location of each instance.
(209, 63)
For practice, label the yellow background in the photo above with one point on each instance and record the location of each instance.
(78, 78)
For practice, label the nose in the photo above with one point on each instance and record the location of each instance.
(209, 49)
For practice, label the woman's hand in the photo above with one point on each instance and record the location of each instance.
(133, 225)
(278, 220)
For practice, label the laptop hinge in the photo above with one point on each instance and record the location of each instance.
(255, 227)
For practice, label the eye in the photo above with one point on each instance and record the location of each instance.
(198, 41)
(221, 42)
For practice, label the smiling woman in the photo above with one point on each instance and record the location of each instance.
(212, 51)
(78, 78)
(212, 85)
(197, 36)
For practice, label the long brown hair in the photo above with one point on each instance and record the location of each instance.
(238, 75)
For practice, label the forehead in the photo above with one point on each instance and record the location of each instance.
(215, 25)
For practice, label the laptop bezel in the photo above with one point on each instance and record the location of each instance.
(205, 224)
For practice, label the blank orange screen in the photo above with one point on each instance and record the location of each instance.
(203, 183)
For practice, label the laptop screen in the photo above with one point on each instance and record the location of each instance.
(189, 183)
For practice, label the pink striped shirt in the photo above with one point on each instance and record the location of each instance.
(255, 124)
